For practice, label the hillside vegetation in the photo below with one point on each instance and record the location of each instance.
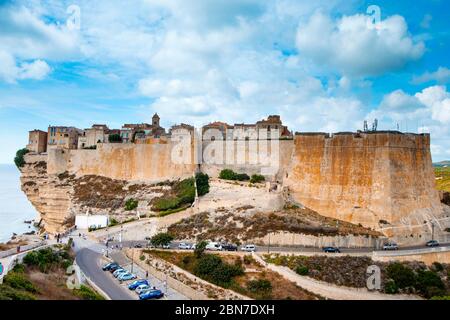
(442, 178)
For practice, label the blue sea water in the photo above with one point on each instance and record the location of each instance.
(14, 205)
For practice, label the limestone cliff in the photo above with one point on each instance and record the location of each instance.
(382, 180)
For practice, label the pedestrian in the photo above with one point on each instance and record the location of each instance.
(146, 274)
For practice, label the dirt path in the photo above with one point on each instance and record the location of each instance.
(331, 291)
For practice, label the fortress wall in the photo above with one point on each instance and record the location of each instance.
(364, 178)
(270, 160)
(151, 162)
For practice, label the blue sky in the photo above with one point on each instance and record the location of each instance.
(322, 66)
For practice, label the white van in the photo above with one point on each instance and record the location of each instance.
(214, 246)
(249, 248)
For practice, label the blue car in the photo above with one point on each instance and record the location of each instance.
(137, 283)
(152, 294)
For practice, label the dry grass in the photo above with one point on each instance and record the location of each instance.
(238, 225)
(442, 178)
(51, 286)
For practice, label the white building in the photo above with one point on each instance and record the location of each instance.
(89, 221)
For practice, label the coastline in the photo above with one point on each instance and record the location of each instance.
(15, 209)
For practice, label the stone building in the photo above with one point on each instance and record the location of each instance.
(130, 132)
(209, 130)
(37, 141)
(98, 133)
(63, 137)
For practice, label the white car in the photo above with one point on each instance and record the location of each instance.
(166, 246)
(214, 246)
(142, 288)
(249, 248)
(117, 274)
(390, 246)
(184, 246)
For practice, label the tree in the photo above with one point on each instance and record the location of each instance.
(19, 159)
(131, 204)
(161, 239)
(200, 248)
(202, 181)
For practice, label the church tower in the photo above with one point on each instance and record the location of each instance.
(155, 120)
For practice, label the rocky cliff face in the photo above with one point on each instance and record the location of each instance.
(59, 197)
(380, 180)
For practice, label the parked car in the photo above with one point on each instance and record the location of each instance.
(143, 288)
(118, 272)
(126, 276)
(331, 250)
(114, 268)
(152, 294)
(432, 243)
(229, 247)
(249, 248)
(214, 246)
(390, 246)
(138, 245)
(193, 247)
(108, 266)
(137, 283)
(184, 246)
(166, 246)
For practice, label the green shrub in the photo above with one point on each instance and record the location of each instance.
(185, 190)
(257, 178)
(211, 268)
(202, 181)
(8, 293)
(390, 287)
(19, 159)
(302, 270)
(242, 177)
(438, 266)
(46, 259)
(113, 222)
(163, 204)
(87, 293)
(200, 248)
(131, 204)
(161, 239)
(261, 286)
(403, 276)
(430, 284)
(227, 174)
(19, 281)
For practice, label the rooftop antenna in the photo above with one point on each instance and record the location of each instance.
(375, 125)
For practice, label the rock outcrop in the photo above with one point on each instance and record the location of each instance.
(381, 180)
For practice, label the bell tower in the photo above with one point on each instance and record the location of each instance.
(155, 120)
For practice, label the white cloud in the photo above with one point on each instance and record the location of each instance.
(351, 47)
(441, 76)
(10, 72)
(425, 111)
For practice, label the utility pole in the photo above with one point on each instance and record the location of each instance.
(132, 257)
(432, 230)
(268, 245)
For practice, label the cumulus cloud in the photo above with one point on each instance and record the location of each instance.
(351, 47)
(11, 72)
(441, 76)
(425, 111)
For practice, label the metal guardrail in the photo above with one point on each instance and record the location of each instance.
(410, 252)
(14, 251)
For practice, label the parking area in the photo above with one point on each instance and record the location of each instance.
(134, 269)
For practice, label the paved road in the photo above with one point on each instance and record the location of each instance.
(90, 263)
(262, 249)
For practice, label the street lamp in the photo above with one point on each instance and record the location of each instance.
(268, 245)
(132, 257)
(432, 230)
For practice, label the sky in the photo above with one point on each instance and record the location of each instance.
(322, 65)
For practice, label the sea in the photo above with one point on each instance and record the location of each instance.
(14, 205)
